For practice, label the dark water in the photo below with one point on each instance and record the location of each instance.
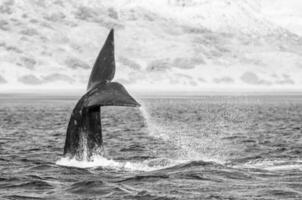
(215, 147)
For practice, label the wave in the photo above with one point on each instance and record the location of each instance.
(37, 184)
(22, 197)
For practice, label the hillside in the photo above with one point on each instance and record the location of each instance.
(174, 45)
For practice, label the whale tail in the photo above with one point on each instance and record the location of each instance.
(84, 132)
(104, 66)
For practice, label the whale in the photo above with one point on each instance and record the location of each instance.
(84, 131)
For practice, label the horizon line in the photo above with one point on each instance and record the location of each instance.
(157, 93)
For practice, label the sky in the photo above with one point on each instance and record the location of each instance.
(161, 45)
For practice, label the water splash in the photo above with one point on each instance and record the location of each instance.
(188, 150)
(154, 129)
(205, 148)
(83, 153)
(100, 161)
(84, 143)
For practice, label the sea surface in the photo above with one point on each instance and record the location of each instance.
(202, 147)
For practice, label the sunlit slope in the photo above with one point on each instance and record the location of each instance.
(160, 45)
(284, 13)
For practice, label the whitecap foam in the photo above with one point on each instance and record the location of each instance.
(272, 165)
(99, 161)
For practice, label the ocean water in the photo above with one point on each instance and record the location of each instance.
(207, 147)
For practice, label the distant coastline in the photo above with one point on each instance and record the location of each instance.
(74, 94)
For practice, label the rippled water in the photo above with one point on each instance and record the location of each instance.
(209, 147)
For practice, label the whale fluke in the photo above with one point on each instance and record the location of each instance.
(104, 66)
(111, 94)
(84, 132)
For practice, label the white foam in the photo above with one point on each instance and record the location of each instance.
(273, 165)
(285, 167)
(99, 161)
